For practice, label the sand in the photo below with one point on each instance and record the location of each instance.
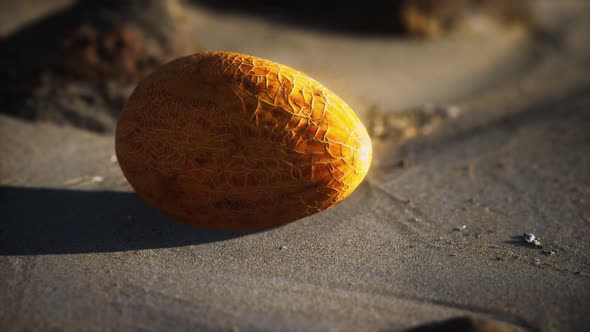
(80, 251)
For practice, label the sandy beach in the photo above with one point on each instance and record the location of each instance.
(434, 232)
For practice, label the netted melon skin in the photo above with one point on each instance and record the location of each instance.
(233, 142)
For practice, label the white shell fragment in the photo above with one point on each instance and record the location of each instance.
(531, 238)
(460, 228)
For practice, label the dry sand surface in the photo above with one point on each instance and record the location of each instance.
(80, 251)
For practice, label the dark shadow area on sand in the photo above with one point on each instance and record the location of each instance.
(375, 17)
(57, 221)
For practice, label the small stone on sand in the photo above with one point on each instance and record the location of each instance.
(97, 179)
(531, 238)
(460, 228)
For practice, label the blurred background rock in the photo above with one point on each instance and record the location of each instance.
(78, 64)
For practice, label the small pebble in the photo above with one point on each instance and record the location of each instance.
(445, 111)
(97, 179)
(451, 111)
(460, 228)
(531, 238)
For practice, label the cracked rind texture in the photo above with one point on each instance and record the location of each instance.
(234, 142)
